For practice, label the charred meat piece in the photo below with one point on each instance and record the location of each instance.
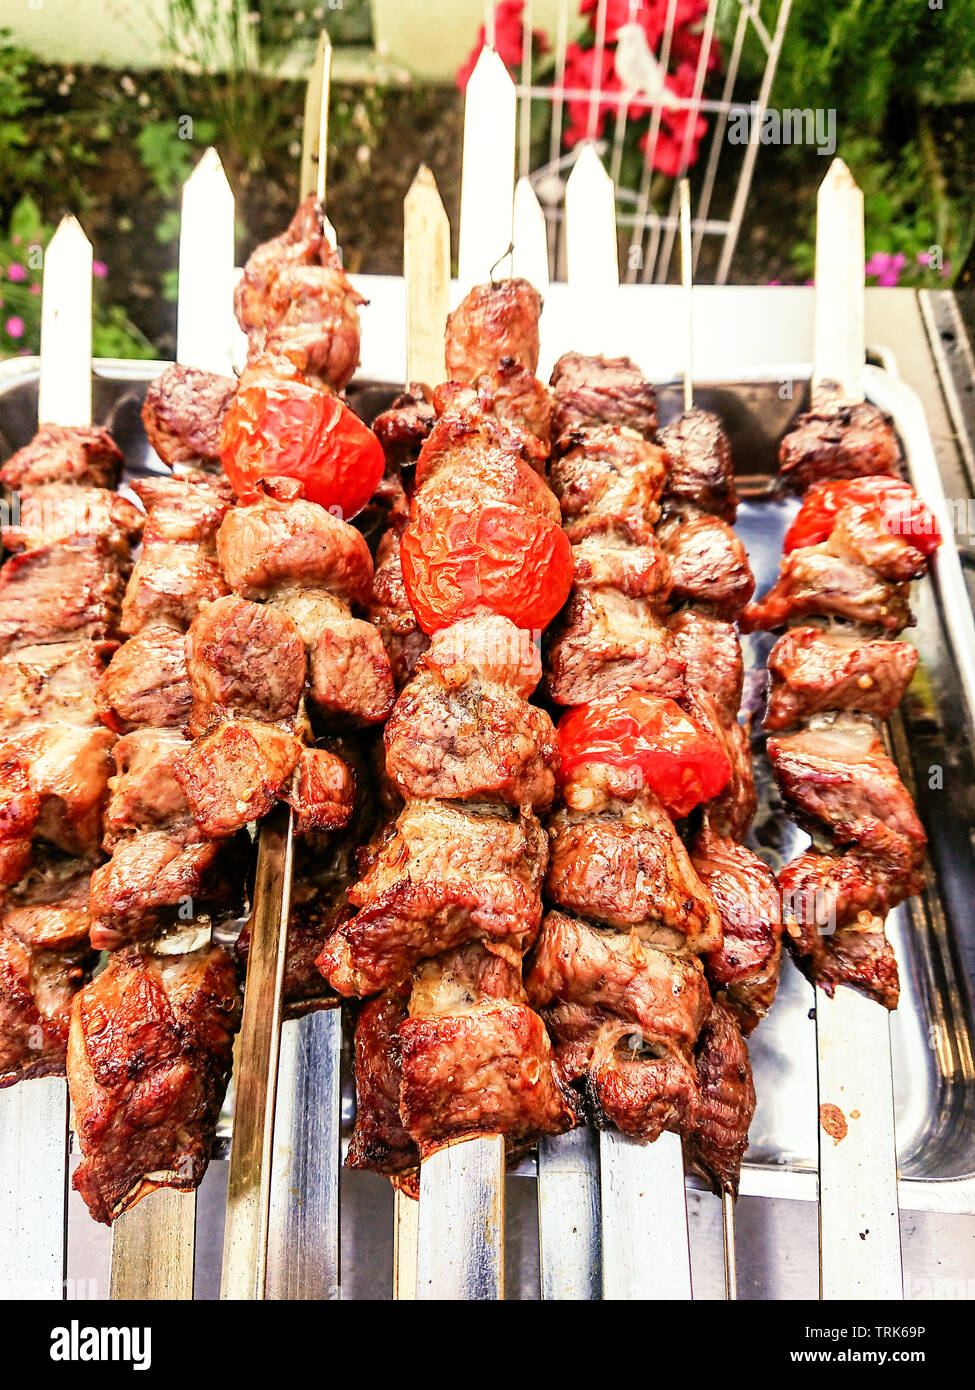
(183, 412)
(244, 659)
(149, 1057)
(187, 509)
(391, 614)
(814, 582)
(823, 893)
(402, 429)
(276, 539)
(604, 642)
(638, 571)
(234, 774)
(44, 960)
(59, 592)
(85, 455)
(860, 535)
(494, 322)
(708, 565)
(445, 875)
(57, 683)
(455, 736)
(642, 1092)
(321, 791)
(623, 863)
(60, 512)
(145, 793)
(593, 391)
(711, 653)
(837, 439)
(350, 673)
(732, 811)
(379, 1141)
(476, 1058)
(490, 647)
(719, 1138)
(836, 778)
(463, 436)
(54, 785)
(617, 978)
(814, 670)
(608, 482)
(168, 584)
(702, 472)
(146, 681)
(147, 874)
(744, 971)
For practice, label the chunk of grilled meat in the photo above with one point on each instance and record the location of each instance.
(593, 391)
(169, 582)
(379, 1140)
(402, 428)
(708, 565)
(320, 791)
(84, 455)
(835, 777)
(732, 811)
(455, 735)
(146, 681)
(476, 1059)
(144, 792)
(183, 411)
(54, 785)
(608, 481)
(814, 670)
(245, 659)
(156, 878)
(702, 472)
(837, 439)
(604, 642)
(621, 862)
(494, 322)
(235, 773)
(295, 301)
(149, 1057)
(744, 971)
(61, 512)
(276, 539)
(713, 663)
(45, 958)
(815, 582)
(391, 613)
(716, 1145)
(57, 683)
(187, 509)
(445, 875)
(59, 592)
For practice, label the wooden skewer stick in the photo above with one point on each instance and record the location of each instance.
(859, 1228)
(34, 1114)
(687, 280)
(645, 1247)
(153, 1244)
(488, 172)
(426, 270)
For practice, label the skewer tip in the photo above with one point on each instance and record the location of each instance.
(838, 176)
(69, 230)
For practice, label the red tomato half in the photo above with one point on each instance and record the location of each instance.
(903, 511)
(497, 556)
(679, 761)
(287, 428)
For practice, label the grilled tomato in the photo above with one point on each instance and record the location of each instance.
(903, 511)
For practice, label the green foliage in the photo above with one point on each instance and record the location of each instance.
(21, 275)
(17, 161)
(167, 155)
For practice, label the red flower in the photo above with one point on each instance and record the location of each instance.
(669, 155)
(581, 73)
(508, 40)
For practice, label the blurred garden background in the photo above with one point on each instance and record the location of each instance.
(94, 96)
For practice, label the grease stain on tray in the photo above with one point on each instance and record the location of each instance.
(833, 1120)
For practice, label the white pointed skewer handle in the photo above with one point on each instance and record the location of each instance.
(839, 344)
(426, 269)
(204, 321)
(529, 238)
(34, 1114)
(488, 173)
(592, 256)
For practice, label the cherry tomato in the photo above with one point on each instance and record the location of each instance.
(679, 761)
(903, 511)
(287, 428)
(495, 556)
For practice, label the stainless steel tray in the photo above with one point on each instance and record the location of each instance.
(932, 1032)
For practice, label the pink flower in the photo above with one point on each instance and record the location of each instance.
(885, 268)
(16, 272)
(35, 289)
(100, 269)
(508, 40)
(15, 327)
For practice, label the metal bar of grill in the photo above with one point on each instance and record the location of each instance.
(33, 1188)
(153, 1248)
(460, 1251)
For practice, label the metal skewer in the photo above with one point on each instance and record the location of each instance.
(687, 280)
(153, 1244)
(460, 1241)
(859, 1228)
(34, 1114)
